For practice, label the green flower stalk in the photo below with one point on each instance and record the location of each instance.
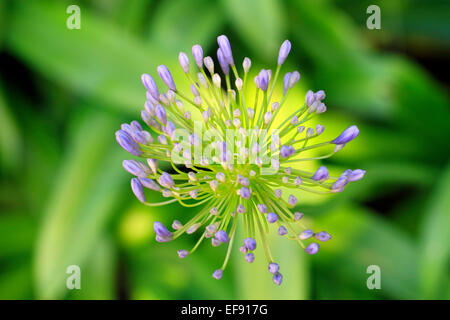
(234, 158)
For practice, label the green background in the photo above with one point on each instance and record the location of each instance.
(65, 198)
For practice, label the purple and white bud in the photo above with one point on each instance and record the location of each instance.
(250, 113)
(274, 267)
(250, 243)
(300, 129)
(162, 231)
(135, 168)
(347, 135)
(224, 45)
(197, 52)
(321, 108)
(354, 175)
(285, 152)
(150, 184)
(214, 211)
(244, 193)
(240, 208)
(182, 253)
(293, 79)
(275, 164)
(223, 62)
(319, 129)
(292, 200)
(278, 193)
(184, 61)
(262, 208)
(150, 85)
(306, 234)
(222, 236)
(193, 228)
(286, 78)
(166, 77)
(312, 248)
(243, 249)
(322, 236)
(309, 132)
(320, 95)
(214, 185)
(282, 230)
(209, 64)
(138, 190)
(298, 181)
(193, 194)
(310, 98)
(271, 217)
(284, 52)
(339, 184)
(250, 257)
(267, 117)
(215, 242)
(217, 274)
(321, 174)
(177, 225)
(298, 216)
(246, 64)
(162, 139)
(263, 80)
(166, 180)
(153, 164)
(126, 142)
(294, 120)
(160, 113)
(277, 278)
(220, 176)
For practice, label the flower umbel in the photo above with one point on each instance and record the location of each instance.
(235, 160)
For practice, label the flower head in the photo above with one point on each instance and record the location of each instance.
(235, 162)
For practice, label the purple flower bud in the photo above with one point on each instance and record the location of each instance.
(273, 267)
(184, 61)
(306, 234)
(135, 168)
(162, 239)
(298, 181)
(282, 230)
(221, 235)
(215, 242)
(217, 274)
(166, 180)
(347, 135)
(309, 98)
(321, 174)
(127, 142)
(162, 231)
(339, 184)
(138, 190)
(250, 243)
(292, 200)
(298, 216)
(250, 257)
(322, 236)
(246, 64)
(243, 249)
(263, 80)
(136, 125)
(182, 253)
(291, 150)
(320, 95)
(284, 151)
(197, 52)
(262, 208)
(166, 77)
(142, 137)
(319, 129)
(223, 62)
(271, 217)
(284, 52)
(354, 175)
(312, 248)
(224, 45)
(277, 278)
(150, 184)
(150, 84)
(286, 78)
(177, 225)
(245, 193)
(278, 193)
(293, 79)
(240, 208)
(160, 113)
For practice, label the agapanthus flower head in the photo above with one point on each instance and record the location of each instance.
(235, 163)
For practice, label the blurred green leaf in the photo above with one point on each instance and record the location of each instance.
(435, 241)
(20, 241)
(259, 24)
(178, 25)
(10, 137)
(86, 192)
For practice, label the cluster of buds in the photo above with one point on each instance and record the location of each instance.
(231, 154)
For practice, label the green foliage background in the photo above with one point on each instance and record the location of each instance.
(65, 199)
